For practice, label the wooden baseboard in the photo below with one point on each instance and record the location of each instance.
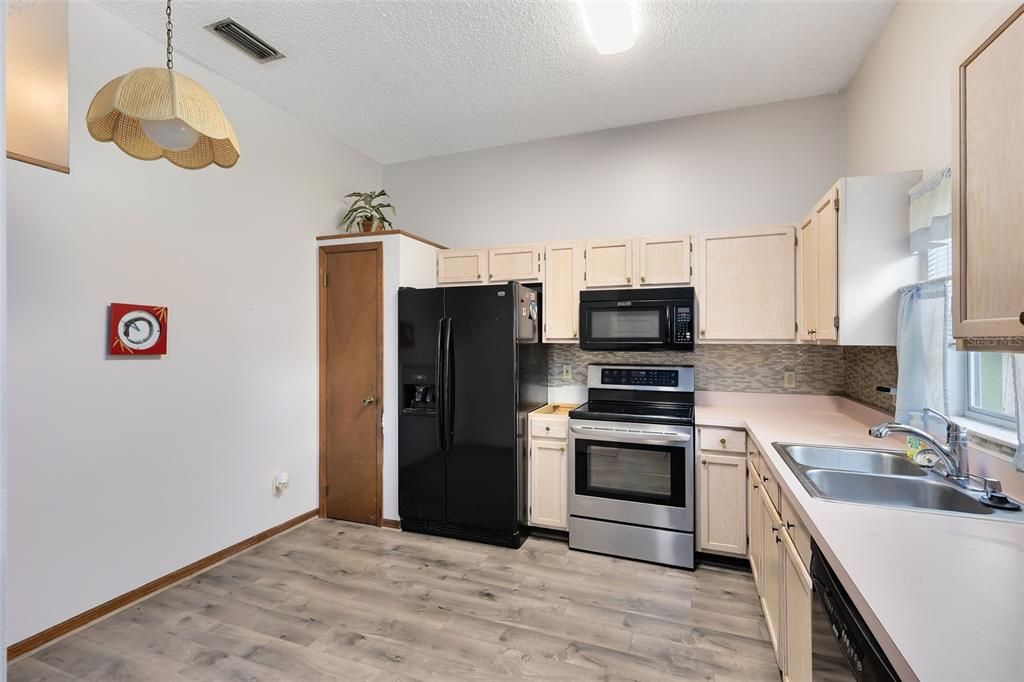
(75, 622)
(392, 523)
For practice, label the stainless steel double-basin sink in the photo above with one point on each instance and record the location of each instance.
(880, 477)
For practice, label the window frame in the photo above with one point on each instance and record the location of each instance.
(999, 419)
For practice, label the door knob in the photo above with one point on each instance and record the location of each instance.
(369, 400)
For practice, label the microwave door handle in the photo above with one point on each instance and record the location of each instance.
(668, 325)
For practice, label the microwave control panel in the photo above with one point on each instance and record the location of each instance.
(682, 327)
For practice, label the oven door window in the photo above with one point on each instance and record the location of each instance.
(637, 473)
(636, 324)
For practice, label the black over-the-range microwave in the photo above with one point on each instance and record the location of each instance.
(638, 319)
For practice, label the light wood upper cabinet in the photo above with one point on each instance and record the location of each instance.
(819, 271)
(853, 256)
(664, 261)
(722, 503)
(988, 173)
(807, 266)
(563, 279)
(747, 284)
(462, 266)
(515, 264)
(609, 263)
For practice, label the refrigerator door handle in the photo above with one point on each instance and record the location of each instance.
(438, 385)
(449, 385)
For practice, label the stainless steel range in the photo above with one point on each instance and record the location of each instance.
(631, 483)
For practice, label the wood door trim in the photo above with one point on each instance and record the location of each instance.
(322, 374)
(382, 233)
(75, 622)
(33, 161)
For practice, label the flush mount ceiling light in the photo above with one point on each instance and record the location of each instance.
(610, 24)
(151, 113)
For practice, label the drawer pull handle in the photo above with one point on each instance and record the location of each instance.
(722, 441)
(1022, 317)
(547, 428)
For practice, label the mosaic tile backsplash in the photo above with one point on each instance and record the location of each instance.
(867, 367)
(820, 370)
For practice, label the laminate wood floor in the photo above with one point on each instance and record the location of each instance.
(331, 600)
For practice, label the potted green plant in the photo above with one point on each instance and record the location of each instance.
(366, 214)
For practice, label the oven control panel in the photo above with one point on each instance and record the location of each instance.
(629, 376)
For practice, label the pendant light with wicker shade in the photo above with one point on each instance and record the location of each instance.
(151, 113)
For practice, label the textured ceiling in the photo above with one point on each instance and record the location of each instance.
(400, 80)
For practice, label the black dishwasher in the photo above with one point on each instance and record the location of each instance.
(842, 647)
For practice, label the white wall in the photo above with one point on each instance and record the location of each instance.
(123, 470)
(3, 366)
(898, 107)
(760, 165)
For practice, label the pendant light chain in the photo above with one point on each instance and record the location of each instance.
(170, 35)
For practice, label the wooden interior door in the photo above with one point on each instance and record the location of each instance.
(351, 368)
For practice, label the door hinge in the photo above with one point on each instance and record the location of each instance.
(691, 246)
(796, 326)
(835, 321)
(835, 203)
(325, 279)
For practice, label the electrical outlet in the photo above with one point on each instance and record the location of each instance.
(567, 371)
(789, 379)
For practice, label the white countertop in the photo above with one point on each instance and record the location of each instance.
(942, 593)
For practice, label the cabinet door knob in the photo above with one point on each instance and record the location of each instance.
(1022, 317)
(722, 441)
(764, 478)
(644, 279)
(702, 332)
(478, 276)
(628, 280)
(789, 524)
(561, 449)
(547, 428)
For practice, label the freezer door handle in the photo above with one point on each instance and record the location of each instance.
(449, 384)
(438, 385)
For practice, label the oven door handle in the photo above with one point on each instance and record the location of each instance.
(625, 437)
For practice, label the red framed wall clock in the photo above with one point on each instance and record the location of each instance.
(138, 329)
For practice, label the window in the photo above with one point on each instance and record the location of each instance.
(990, 388)
(984, 380)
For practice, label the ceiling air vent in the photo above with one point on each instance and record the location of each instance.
(245, 40)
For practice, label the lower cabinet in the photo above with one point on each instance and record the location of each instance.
(779, 566)
(754, 514)
(548, 485)
(548, 467)
(797, 583)
(723, 516)
(771, 574)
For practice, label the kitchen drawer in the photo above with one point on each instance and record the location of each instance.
(728, 440)
(550, 427)
(797, 531)
(771, 486)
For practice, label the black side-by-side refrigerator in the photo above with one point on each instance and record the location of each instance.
(471, 368)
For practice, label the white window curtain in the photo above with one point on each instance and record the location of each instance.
(1018, 389)
(931, 211)
(921, 350)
